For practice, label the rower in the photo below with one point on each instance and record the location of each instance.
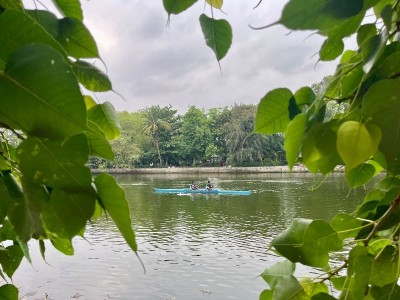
(193, 186)
(209, 186)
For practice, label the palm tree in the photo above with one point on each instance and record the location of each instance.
(154, 122)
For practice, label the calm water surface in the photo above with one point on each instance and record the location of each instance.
(192, 247)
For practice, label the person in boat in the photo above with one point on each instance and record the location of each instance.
(209, 186)
(193, 186)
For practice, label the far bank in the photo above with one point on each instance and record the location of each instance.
(211, 170)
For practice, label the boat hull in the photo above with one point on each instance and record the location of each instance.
(201, 191)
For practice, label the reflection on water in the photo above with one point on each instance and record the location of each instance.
(193, 247)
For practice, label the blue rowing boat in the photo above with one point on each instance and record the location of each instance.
(202, 191)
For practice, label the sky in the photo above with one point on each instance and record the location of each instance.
(151, 62)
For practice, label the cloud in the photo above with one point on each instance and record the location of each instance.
(151, 63)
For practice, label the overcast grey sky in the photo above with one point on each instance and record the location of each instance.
(151, 63)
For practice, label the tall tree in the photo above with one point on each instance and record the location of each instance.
(195, 135)
(156, 120)
(218, 118)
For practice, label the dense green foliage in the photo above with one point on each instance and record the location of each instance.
(48, 131)
(158, 136)
(352, 118)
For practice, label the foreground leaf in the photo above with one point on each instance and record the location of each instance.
(272, 112)
(8, 292)
(70, 8)
(105, 117)
(177, 6)
(308, 242)
(38, 80)
(77, 39)
(382, 107)
(294, 136)
(218, 35)
(273, 274)
(18, 29)
(356, 142)
(10, 259)
(56, 164)
(91, 77)
(66, 214)
(289, 288)
(216, 3)
(316, 14)
(112, 197)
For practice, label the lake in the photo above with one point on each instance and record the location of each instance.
(192, 246)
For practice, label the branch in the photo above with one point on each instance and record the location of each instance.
(380, 221)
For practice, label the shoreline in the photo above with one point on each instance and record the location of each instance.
(212, 170)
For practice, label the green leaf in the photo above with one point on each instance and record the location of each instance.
(57, 164)
(47, 19)
(10, 259)
(294, 135)
(98, 144)
(77, 39)
(273, 274)
(356, 142)
(331, 49)
(63, 245)
(218, 35)
(29, 211)
(18, 29)
(338, 282)
(346, 27)
(387, 16)
(24, 212)
(316, 14)
(5, 198)
(272, 112)
(385, 268)
(346, 225)
(313, 288)
(289, 288)
(372, 49)
(66, 214)
(304, 96)
(365, 32)
(322, 296)
(266, 295)
(390, 67)
(8, 292)
(89, 102)
(177, 6)
(113, 199)
(70, 8)
(351, 81)
(38, 80)
(216, 3)
(11, 4)
(360, 175)
(360, 264)
(105, 117)
(42, 247)
(319, 149)
(91, 77)
(381, 106)
(308, 242)
(7, 232)
(387, 292)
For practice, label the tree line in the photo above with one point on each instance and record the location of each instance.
(160, 137)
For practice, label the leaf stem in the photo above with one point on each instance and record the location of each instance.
(380, 221)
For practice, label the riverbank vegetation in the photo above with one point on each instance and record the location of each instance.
(159, 137)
